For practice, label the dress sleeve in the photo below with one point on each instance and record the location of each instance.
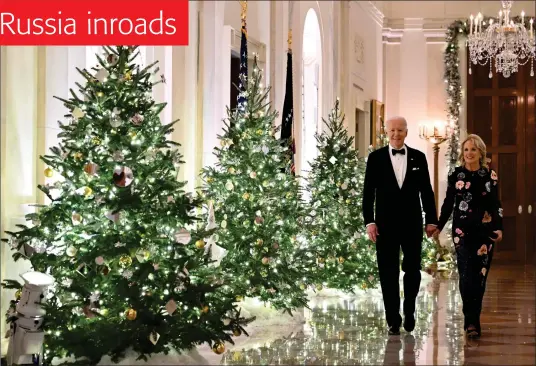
(496, 207)
(448, 202)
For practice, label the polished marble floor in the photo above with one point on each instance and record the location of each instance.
(351, 330)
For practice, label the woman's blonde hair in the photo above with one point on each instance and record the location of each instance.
(480, 145)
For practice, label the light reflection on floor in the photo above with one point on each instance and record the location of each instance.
(352, 331)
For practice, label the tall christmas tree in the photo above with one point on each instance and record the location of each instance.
(120, 236)
(337, 236)
(257, 205)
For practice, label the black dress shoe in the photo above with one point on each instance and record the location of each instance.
(394, 330)
(409, 323)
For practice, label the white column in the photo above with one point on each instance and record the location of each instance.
(413, 80)
(184, 100)
(161, 92)
(279, 15)
(19, 92)
(212, 21)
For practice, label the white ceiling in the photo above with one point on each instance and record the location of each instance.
(448, 9)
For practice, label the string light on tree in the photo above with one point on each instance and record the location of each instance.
(122, 245)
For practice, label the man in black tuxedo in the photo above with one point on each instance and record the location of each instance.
(397, 179)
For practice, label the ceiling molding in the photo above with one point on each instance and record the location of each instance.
(376, 14)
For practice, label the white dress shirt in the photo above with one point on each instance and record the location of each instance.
(400, 164)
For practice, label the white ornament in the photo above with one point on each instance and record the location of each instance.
(101, 75)
(229, 185)
(344, 186)
(333, 160)
(71, 251)
(183, 236)
(78, 113)
(265, 150)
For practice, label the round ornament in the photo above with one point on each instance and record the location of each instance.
(123, 177)
(125, 261)
(200, 244)
(218, 348)
(131, 314)
(49, 172)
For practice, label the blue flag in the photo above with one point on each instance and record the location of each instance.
(242, 87)
(288, 115)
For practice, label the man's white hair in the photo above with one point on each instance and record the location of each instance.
(397, 118)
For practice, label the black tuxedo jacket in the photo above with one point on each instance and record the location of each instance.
(398, 208)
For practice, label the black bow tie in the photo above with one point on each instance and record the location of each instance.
(401, 151)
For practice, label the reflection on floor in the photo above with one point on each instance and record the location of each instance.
(352, 330)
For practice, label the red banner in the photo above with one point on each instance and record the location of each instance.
(93, 23)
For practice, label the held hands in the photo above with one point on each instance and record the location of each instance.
(499, 236)
(372, 232)
(430, 230)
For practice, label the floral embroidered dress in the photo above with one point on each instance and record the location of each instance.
(473, 196)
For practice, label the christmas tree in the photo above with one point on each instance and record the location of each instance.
(337, 236)
(121, 238)
(257, 205)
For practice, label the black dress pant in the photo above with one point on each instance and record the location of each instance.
(388, 246)
(472, 280)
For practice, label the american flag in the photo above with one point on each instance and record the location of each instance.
(288, 114)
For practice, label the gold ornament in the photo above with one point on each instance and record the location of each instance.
(132, 134)
(18, 294)
(341, 260)
(218, 348)
(302, 286)
(210, 180)
(96, 141)
(364, 285)
(260, 241)
(131, 314)
(246, 196)
(205, 309)
(237, 332)
(289, 195)
(128, 76)
(348, 201)
(125, 261)
(88, 191)
(49, 172)
(319, 287)
(239, 298)
(232, 170)
(200, 244)
(100, 94)
(320, 260)
(259, 132)
(78, 156)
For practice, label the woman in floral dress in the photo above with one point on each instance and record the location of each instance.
(477, 225)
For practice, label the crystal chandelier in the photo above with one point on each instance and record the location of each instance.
(509, 43)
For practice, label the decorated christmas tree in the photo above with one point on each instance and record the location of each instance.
(121, 238)
(337, 236)
(258, 206)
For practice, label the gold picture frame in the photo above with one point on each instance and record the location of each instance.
(377, 118)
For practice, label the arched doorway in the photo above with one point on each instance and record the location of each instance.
(311, 89)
